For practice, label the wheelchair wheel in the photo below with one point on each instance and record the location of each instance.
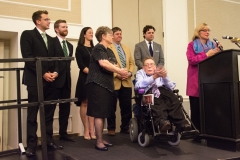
(143, 140)
(133, 130)
(175, 140)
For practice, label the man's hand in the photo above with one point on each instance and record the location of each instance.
(49, 77)
(160, 73)
(54, 75)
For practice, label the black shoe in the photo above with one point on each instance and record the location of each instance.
(66, 138)
(54, 146)
(197, 139)
(30, 152)
(186, 127)
(108, 145)
(101, 149)
(165, 125)
(124, 131)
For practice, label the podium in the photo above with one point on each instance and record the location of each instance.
(219, 86)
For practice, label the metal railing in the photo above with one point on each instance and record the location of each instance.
(40, 102)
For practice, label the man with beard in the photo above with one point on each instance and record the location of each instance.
(62, 48)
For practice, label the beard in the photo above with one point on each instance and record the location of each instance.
(63, 33)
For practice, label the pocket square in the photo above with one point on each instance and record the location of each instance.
(157, 51)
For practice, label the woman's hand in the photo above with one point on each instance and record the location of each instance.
(212, 52)
(123, 72)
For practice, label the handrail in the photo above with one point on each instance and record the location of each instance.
(40, 102)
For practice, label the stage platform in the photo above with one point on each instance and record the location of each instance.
(124, 149)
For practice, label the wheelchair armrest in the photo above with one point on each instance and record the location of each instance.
(175, 91)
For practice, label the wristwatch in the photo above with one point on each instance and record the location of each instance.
(130, 73)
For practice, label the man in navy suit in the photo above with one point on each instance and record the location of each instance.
(36, 43)
(62, 48)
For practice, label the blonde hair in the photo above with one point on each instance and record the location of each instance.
(198, 29)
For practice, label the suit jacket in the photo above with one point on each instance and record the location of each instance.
(33, 45)
(64, 67)
(141, 52)
(129, 66)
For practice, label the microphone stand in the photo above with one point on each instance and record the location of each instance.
(236, 41)
(237, 44)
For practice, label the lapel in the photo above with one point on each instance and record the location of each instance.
(59, 47)
(155, 54)
(113, 48)
(144, 44)
(39, 36)
(70, 49)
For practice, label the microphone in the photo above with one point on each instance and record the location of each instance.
(218, 44)
(229, 37)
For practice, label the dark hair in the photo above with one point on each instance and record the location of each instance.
(115, 29)
(38, 15)
(147, 28)
(102, 30)
(56, 24)
(81, 39)
(147, 59)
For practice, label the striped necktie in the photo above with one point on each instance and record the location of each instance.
(120, 54)
(64, 48)
(45, 39)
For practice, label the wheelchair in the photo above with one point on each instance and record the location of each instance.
(141, 127)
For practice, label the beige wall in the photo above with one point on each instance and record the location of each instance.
(221, 15)
(132, 17)
(68, 9)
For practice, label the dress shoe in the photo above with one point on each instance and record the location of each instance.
(197, 139)
(66, 138)
(165, 125)
(101, 149)
(108, 145)
(111, 132)
(186, 127)
(86, 138)
(92, 137)
(30, 152)
(54, 146)
(124, 131)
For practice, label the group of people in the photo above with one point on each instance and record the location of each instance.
(105, 77)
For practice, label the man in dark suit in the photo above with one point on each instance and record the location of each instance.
(148, 48)
(35, 43)
(62, 48)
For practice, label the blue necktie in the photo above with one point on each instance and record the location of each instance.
(150, 49)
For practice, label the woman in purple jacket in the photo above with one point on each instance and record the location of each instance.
(198, 49)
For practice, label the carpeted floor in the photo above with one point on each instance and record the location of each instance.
(124, 149)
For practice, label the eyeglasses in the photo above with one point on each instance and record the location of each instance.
(149, 64)
(205, 30)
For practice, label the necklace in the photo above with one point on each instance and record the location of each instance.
(87, 50)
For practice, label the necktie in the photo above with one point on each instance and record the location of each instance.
(45, 39)
(155, 90)
(121, 57)
(150, 49)
(65, 48)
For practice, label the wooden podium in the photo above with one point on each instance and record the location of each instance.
(220, 100)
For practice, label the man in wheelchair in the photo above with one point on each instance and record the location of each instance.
(167, 107)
